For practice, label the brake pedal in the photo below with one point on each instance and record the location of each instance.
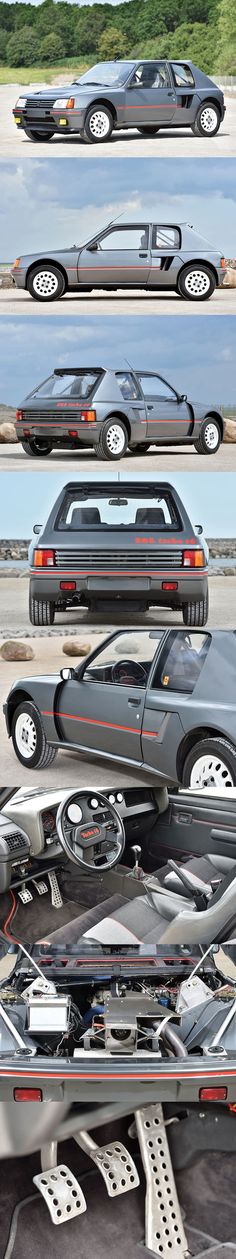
(164, 1231)
(62, 1193)
(114, 1162)
(56, 897)
(25, 895)
(41, 886)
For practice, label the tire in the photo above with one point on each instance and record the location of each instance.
(207, 121)
(140, 448)
(112, 435)
(98, 124)
(41, 611)
(196, 282)
(210, 437)
(148, 131)
(46, 283)
(198, 764)
(38, 135)
(42, 754)
(196, 613)
(36, 450)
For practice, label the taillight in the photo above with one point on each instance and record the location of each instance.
(218, 1094)
(44, 559)
(169, 585)
(19, 415)
(27, 1095)
(222, 262)
(16, 264)
(89, 416)
(70, 104)
(193, 559)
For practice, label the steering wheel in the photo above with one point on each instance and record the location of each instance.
(138, 671)
(90, 830)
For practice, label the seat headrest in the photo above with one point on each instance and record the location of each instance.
(150, 516)
(85, 516)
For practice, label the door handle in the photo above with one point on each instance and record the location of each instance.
(133, 703)
(150, 408)
(143, 255)
(172, 95)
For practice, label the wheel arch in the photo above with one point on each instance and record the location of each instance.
(215, 415)
(18, 697)
(119, 415)
(210, 100)
(47, 262)
(106, 104)
(199, 262)
(193, 737)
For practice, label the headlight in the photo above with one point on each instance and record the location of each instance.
(22, 102)
(60, 104)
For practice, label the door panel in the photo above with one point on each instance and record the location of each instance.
(122, 258)
(161, 732)
(167, 419)
(193, 827)
(149, 104)
(102, 716)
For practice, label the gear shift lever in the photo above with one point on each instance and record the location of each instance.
(137, 871)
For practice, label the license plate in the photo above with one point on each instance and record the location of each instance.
(118, 583)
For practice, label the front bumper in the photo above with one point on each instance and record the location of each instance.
(139, 586)
(49, 120)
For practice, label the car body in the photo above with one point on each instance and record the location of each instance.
(115, 95)
(112, 410)
(140, 254)
(163, 701)
(118, 542)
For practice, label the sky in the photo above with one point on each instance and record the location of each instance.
(27, 500)
(196, 355)
(41, 210)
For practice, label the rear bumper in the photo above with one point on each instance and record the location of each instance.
(128, 587)
(88, 433)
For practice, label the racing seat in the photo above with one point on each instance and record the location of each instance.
(209, 869)
(157, 917)
(150, 516)
(85, 516)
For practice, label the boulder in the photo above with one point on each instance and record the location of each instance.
(230, 429)
(74, 647)
(14, 650)
(7, 432)
(229, 281)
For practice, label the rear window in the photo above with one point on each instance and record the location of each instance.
(128, 386)
(181, 661)
(67, 384)
(137, 512)
(166, 237)
(182, 75)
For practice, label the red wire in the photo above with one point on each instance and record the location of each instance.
(10, 916)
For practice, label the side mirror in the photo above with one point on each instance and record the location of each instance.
(37, 528)
(182, 397)
(199, 529)
(92, 249)
(67, 675)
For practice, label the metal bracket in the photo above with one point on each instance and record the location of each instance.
(164, 1231)
(62, 1193)
(113, 1161)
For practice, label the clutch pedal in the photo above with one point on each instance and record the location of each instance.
(164, 1231)
(56, 897)
(25, 895)
(114, 1162)
(62, 1193)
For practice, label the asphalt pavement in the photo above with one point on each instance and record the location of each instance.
(17, 302)
(164, 459)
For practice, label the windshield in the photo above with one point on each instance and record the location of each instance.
(118, 511)
(107, 72)
(67, 384)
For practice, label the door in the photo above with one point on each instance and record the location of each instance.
(103, 711)
(120, 257)
(150, 95)
(191, 827)
(167, 419)
(170, 686)
(165, 256)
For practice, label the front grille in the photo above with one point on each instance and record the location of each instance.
(53, 417)
(133, 560)
(33, 104)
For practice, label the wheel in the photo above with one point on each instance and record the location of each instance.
(37, 447)
(113, 440)
(41, 611)
(38, 135)
(46, 282)
(196, 613)
(196, 282)
(140, 448)
(98, 124)
(211, 763)
(148, 131)
(29, 741)
(209, 437)
(207, 121)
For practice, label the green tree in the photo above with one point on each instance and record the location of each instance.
(4, 37)
(25, 15)
(153, 13)
(22, 48)
(88, 32)
(51, 48)
(46, 18)
(112, 44)
(226, 50)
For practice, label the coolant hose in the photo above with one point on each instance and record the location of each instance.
(173, 1041)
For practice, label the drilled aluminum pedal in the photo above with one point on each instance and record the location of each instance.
(41, 886)
(62, 1193)
(25, 895)
(56, 897)
(164, 1232)
(117, 1168)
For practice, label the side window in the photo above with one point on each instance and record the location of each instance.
(151, 74)
(166, 237)
(155, 387)
(126, 661)
(182, 75)
(181, 661)
(126, 238)
(127, 386)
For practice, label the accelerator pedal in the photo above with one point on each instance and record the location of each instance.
(56, 898)
(62, 1193)
(113, 1161)
(164, 1232)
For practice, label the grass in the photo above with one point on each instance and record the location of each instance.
(42, 74)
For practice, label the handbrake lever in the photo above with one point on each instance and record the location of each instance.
(198, 889)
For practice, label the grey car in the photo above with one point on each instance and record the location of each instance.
(111, 411)
(148, 95)
(123, 543)
(142, 255)
(162, 701)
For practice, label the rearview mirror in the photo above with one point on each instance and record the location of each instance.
(37, 528)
